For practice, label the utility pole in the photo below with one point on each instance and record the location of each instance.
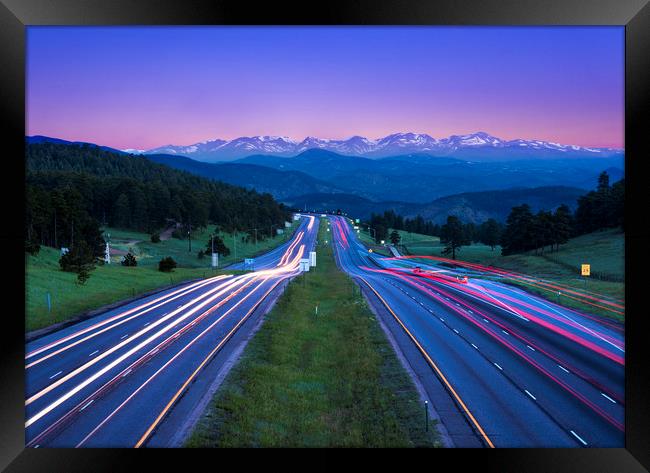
(234, 243)
(72, 235)
(189, 237)
(55, 241)
(256, 238)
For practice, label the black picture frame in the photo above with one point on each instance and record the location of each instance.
(15, 15)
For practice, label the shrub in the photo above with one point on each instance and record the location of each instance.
(166, 264)
(80, 256)
(155, 237)
(80, 260)
(129, 260)
(82, 276)
(200, 254)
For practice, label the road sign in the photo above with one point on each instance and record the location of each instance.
(356, 220)
(249, 263)
(215, 260)
(586, 270)
(312, 258)
(304, 265)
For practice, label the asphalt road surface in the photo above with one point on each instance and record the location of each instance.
(114, 379)
(520, 370)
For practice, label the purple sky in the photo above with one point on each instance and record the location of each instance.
(142, 87)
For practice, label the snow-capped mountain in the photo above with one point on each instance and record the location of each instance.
(474, 146)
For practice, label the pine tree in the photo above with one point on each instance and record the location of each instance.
(453, 235)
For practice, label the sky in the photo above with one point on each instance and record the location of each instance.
(143, 87)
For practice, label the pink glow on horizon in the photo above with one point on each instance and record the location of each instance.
(147, 87)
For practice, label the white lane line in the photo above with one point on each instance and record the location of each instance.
(126, 373)
(455, 330)
(501, 304)
(96, 351)
(607, 397)
(91, 401)
(56, 374)
(583, 326)
(498, 366)
(474, 346)
(486, 321)
(578, 437)
(505, 332)
(442, 319)
(530, 348)
(149, 322)
(527, 392)
(563, 368)
(124, 336)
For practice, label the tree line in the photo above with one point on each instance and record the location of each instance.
(545, 230)
(71, 190)
(524, 230)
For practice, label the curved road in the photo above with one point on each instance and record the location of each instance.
(524, 372)
(111, 381)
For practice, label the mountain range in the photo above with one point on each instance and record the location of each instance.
(475, 146)
(411, 184)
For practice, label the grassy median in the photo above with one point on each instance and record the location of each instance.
(323, 380)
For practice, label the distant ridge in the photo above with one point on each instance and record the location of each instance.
(474, 207)
(474, 146)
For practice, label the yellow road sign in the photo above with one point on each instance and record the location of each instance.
(586, 269)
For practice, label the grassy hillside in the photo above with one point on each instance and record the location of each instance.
(326, 380)
(114, 282)
(107, 284)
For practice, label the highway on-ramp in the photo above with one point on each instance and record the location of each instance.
(112, 380)
(520, 370)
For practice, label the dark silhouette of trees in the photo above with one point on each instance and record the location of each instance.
(602, 208)
(166, 264)
(563, 225)
(454, 236)
(129, 260)
(517, 236)
(79, 259)
(219, 246)
(71, 188)
(490, 233)
(395, 237)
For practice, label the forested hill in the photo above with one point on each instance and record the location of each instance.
(67, 183)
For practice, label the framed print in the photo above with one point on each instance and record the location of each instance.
(397, 225)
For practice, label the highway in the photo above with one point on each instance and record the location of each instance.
(115, 379)
(521, 371)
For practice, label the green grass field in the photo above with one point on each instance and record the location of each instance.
(323, 380)
(107, 284)
(149, 254)
(603, 250)
(114, 282)
(366, 239)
